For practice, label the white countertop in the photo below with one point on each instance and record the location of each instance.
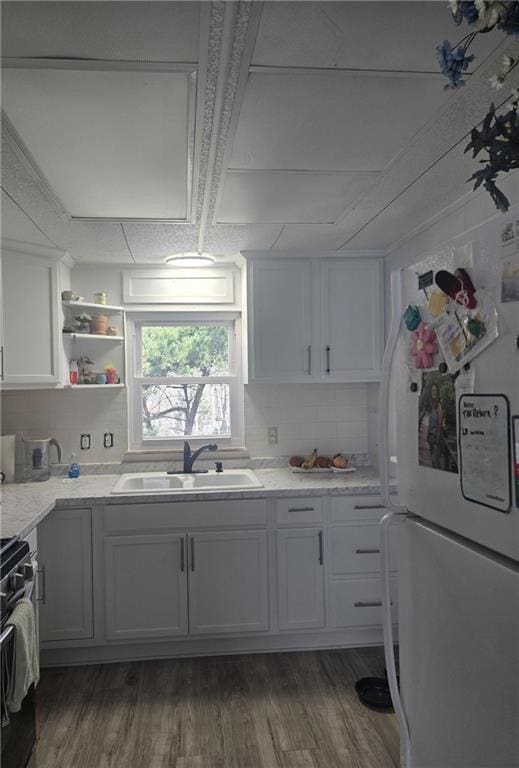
(24, 505)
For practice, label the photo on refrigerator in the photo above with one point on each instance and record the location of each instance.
(437, 436)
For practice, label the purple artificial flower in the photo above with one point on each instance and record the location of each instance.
(453, 62)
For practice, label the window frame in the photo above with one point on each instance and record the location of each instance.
(135, 380)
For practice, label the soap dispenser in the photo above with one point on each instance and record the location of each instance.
(73, 470)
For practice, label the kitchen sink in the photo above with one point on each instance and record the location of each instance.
(161, 482)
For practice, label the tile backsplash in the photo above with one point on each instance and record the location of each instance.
(329, 417)
(65, 415)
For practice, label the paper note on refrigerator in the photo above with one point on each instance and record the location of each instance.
(484, 437)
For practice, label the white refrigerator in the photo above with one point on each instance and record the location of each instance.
(457, 697)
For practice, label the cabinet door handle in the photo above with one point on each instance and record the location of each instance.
(373, 551)
(42, 586)
(192, 553)
(327, 349)
(182, 556)
(321, 551)
(2, 373)
(309, 353)
(369, 506)
(368, 604)
(301, 509)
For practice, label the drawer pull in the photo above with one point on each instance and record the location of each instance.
(369, 506)
(368, 604)
(321, 554)
(301, 509)
(367, 551)
(182, 556)
(192, 553)
(42, 582)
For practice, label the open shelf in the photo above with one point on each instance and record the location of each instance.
(94, 386)
(105, 309)
(92, 336)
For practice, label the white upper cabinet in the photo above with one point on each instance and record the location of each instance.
(314, 320)
(30, 344)
(280, 320)
(351, 313)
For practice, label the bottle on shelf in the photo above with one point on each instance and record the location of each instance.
(73, 372)
(73, 470)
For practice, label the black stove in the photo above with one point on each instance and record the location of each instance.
(19, 728)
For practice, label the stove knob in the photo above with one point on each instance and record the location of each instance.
(28, 571)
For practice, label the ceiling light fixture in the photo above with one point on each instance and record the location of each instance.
(190, 259)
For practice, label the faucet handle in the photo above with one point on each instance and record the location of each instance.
(219, 467)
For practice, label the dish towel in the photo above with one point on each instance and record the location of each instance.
(26, 664)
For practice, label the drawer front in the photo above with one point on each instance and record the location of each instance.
(185, 515)
(362, 508)
(356, 549)
(357, 603)
(300, 510)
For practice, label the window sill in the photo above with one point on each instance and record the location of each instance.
(176, 453)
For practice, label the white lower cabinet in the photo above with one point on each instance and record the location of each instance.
(65, 575)
(228, 582)
(165, 585)
(211, 576)
(300, 578)
(145, 586)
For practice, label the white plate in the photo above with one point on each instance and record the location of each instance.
(313, 471)
(339, 470)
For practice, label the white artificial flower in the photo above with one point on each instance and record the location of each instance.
(489, 14)
(497, 81)
(508, 63)
(453, 4)
(514, 99)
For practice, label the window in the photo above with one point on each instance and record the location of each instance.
(184, 381)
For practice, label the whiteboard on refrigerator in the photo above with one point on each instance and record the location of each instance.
(485, 458)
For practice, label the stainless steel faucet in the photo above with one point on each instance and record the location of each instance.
(190, 458)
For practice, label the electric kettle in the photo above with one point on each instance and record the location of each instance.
(36, 458)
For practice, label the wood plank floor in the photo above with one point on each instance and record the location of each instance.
(289, 710)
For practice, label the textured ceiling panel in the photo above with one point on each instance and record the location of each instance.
(154, 241)
(358, 35)
(226, 238)
(465, 108)
(17, 226)
(95, 241)
(110, 144)
(443, 185)
(331, 121)
(287, 197)
(321, 237)
(156, 31)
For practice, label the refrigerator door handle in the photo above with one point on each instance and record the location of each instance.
(389, 519)
(396, 514)
(384, 394)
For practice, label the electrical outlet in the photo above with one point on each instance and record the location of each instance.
(85, 442)
(272, 435)
(108, 439)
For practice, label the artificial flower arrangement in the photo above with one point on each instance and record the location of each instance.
(499, 134)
